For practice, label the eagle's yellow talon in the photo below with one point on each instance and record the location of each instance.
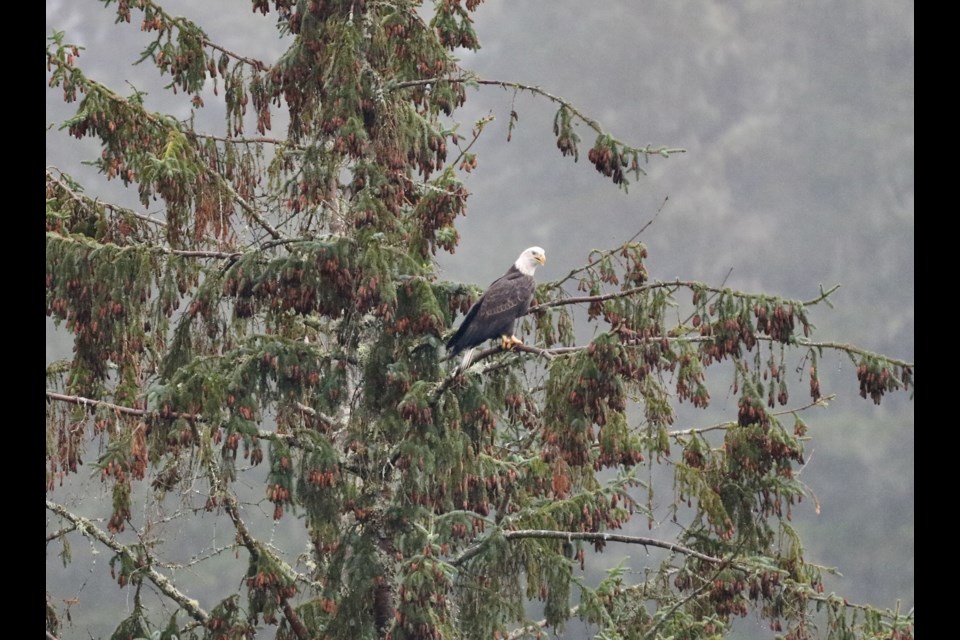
(509, 342)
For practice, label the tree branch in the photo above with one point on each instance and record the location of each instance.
(706, 583)
(60, 533)
(549, 353)
(256, 64)
(517, 86)
(185, 253)
(608, 252)
(262, 434)
(85, 526)
(256, 140)
(87, 201)
(165, 124)
(721, 426)
(676, 283)
(231, 507)
(581, 535)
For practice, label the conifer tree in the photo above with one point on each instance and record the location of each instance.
(276, 338)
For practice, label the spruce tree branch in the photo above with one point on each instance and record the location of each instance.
(183, 24)
(520, 534)
(722, 426)
(85, 526)
(535, 90)
(255, 140)
(486, 353)
(253, 62)
(471, 79)
(603, 254)
(706, 583)
(799, 342)
(87, 201)
(255, 548)
(166, 124)
(184, 253)
(852, 349)
(288, 438)
(676, 284)
(246, 206)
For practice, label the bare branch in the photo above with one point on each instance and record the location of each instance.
(59, 533)
(85, 526)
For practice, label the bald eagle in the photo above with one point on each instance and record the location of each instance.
(496, 312)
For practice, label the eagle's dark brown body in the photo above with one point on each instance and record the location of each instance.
(495, 314)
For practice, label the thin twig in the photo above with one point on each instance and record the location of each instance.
(60, 533)
(603, 254)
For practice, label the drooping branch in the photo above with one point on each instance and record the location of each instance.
(168, 124)
(476, 549)
(163, 22)
(895, 618)
(471, 79)
(87, 201)
(85, 526)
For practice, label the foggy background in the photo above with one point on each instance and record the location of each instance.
(798, 123)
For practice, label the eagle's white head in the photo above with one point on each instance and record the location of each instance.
(529, 260)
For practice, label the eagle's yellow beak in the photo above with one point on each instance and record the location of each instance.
(541, 258)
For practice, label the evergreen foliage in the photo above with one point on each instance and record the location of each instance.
(285, 314)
